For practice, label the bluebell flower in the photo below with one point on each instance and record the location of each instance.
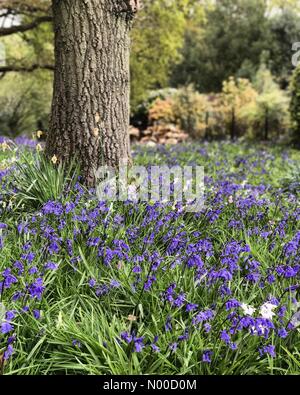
(76, 343)
(225, 337)
(36, 289)
(149, 282)
(92, 282)
(173, 346)
(195, 261)
(168, 324)
(138, 343)
(185, 336)
(282, 333)
(191, 307)
(206, 315)
(36, 314)
(179, 301)
(232, 304)
(102, 290)
(206, 357)
(137, 269)
(6, 327)
(51, 266)
(154, 347)
(33, 270)
(10, 315)
(207, 327)
(8, 352)
(126, 337)
(270, 350)
(9, 278)
(115, 284)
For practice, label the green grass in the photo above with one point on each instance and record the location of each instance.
(72, 311)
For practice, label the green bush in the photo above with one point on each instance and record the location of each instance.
(267, 116)
(190, 108)
(38, 181)
(184, 107)
(140, 117)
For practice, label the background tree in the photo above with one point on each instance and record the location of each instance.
(174, 43)
(20, 17)
(229, 43)
(25, 97)
(157, 38)
(267, 115)
(90, 107)
(295, 104)
(284, 31)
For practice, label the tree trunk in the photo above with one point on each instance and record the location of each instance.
(267, 124)
(90, 107)
(232, 127)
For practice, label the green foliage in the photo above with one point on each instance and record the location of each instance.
(295, 103)
(141, 114)
(25, 102)
(243, 108)
(174, 43)
(79, 332)
(235, 96)
(190, 109)
(38, 180)
(233, 37)
(156, 39)
(40, 41)
(285, 30)
(268, 114)
(184, 106)
(25, 98)
(234, 32)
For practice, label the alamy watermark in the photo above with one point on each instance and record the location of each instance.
(2, 54)
(296, 56)
(184, 185)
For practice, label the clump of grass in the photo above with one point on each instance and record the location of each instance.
(37, 180)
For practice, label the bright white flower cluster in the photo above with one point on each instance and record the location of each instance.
(247, 309)
(266, 310)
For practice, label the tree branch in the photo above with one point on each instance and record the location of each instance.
(5, 31)
(26, 69)
(21, 6)
(128, 6)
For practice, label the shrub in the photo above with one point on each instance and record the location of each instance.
(162, 111)
(190, 108)
(184, 107)
(38, 181)
(140, 117)
(236, 95)
(268, 114)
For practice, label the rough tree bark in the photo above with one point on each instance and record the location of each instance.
(90, 107)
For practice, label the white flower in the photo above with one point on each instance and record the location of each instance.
(295, 320)
(247, 309)
(260, 327)
(132, 192)
(266, 310)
